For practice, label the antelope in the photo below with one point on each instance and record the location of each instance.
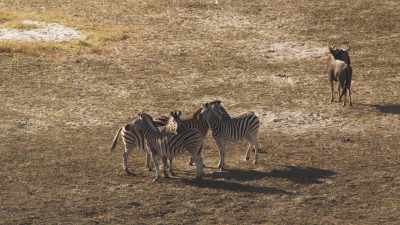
(339, 69)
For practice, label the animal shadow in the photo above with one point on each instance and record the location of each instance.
(302, 175)
(239, 175)
(390, 108)
(234, 187)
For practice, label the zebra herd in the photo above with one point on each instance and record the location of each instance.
(165, 137)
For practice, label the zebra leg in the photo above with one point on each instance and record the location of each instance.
(156, 166)
(247, 157)
(199, 164)
(256, 149)
(221, 148)
(332, 92)
(340, 97)
(253, 143)
(200, 154)
(148, 163)
(165, 167)
(351, 104)
(191, 161)
(125, 161)
(170, 170)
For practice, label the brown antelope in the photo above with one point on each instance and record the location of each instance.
(339, 69)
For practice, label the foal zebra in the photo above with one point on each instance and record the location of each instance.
(225, 129)
(132, 137)
(166, 145)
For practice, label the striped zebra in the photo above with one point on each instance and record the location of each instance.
(132, 137)
(195, 122)
(231, 129)
(166, 146)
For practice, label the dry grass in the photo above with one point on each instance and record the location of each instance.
(96, 36)
(19, 25)
(321, 163)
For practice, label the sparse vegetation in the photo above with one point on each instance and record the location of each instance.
(320, 163)
(96, 36)
(19, 25)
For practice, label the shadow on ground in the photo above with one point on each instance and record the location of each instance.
(234, 187)
(302, 175)
(390, 108)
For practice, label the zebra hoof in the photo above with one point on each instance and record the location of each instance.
(129, 173)
(155, 179)
(255, 162)
(247, 158)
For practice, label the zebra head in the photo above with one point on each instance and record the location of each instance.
(146, 121)
(218, 108)
(209, 113)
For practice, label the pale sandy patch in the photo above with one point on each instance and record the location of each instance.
(49, 32)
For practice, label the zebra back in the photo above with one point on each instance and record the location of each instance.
(233, 128)
(132, 136)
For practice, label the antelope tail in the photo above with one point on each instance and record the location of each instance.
(115, 139)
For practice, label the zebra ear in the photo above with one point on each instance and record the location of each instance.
(179, 113)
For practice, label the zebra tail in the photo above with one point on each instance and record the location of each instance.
(115, 139)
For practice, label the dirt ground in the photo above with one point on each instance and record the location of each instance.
(321, 163)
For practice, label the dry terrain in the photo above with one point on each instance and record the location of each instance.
(321, 163)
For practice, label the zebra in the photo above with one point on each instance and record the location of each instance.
(231, 129)
(132, 137)
(166, 145)
(195, 122)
